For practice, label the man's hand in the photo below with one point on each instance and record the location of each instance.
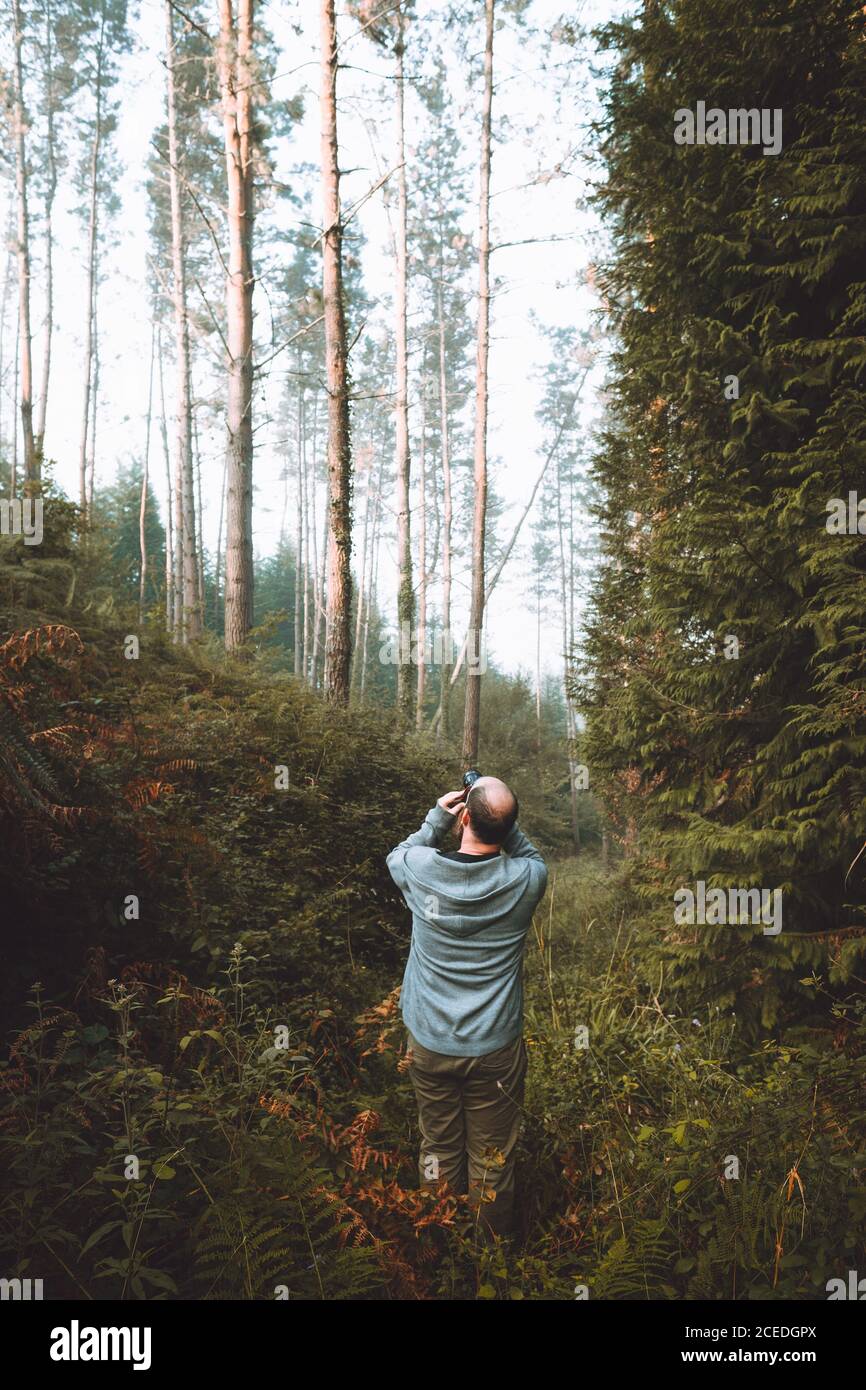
(451, 801)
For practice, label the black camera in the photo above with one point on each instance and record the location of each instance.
(469, 779)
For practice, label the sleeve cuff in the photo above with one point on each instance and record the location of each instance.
(439, 819)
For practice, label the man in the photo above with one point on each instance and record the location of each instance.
(462, 995)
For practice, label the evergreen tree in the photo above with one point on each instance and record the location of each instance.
(116, 512)
(726, 717)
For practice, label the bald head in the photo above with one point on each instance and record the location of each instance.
(492, 808)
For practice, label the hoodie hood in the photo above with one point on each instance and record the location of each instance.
(461, 898)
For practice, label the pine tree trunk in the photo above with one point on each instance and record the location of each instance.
(190, 609)
(422, 564)
(13, 474)
(90, 319)
(447, 645)
(142, 509)
(538, 659)
(199, 549)
(338, 649)
(362, 574)
(218, 570)
(169, 526)
(313, 544)
(321, 605)
(405, 591)
(48, 212)
(299, 545)
(236, 83)
(7, 283)
(306, 516)
(373, 584)
(506, 554)
(94, 403)
(361, 593)
(31, 461)
(315, 578)
(575, 824)
(570, 730)
(472, 710)
(177, 621)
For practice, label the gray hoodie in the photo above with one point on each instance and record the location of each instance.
(463, 987)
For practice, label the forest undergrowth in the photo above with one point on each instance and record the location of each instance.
(204, 1093)
(283, 1163)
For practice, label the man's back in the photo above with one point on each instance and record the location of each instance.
(463, 990)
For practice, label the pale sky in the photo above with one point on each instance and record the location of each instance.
(543, 278)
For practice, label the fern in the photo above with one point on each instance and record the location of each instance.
(637, 1265)
(293, 1238)
(741, 1243)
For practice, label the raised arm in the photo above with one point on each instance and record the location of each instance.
(435, 827)
(517, 846)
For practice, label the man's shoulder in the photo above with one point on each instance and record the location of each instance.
(534, 871)
(421, 854)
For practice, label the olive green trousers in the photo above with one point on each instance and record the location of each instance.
(469, 1113)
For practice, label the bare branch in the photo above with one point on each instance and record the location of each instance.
(306, 328)
(190, 21)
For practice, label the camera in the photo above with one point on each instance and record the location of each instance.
(469, 780)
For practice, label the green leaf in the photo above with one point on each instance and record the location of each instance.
(97, 1235)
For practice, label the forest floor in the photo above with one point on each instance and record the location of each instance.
(207, 1096)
